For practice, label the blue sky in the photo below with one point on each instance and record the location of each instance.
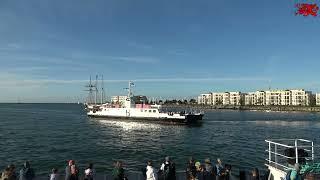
(170, 48)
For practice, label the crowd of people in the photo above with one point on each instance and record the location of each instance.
(195, 170)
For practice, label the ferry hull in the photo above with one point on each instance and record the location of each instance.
(189, 119)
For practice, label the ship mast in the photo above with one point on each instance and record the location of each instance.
(129, 89)
(102, 90)
(96, 90)
(90, 87)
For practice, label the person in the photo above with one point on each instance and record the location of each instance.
(9, 173)
(210, 173)
(294, 174)
(26, 173)
(54, 174)
(197, 165)
(89, 172)
(5, 174)
(255, 174)
(201, 174)
(151, 172)
(219, 169)
(168, 169)
(191, 170)
(71, 171)
(118, 171)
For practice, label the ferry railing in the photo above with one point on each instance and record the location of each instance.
(275, 146)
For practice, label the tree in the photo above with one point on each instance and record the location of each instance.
(192, 101)
(242, 102)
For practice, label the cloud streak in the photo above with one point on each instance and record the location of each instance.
(45, 82)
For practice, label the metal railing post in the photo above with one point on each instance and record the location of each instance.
(296, 148)
(312, 151)
(275, 154)
(269, 152)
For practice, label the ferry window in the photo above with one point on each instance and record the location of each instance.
(145, 110)
(141, 110)
(154, 111)
(149, 110)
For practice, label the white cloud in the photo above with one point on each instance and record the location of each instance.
(134, 59)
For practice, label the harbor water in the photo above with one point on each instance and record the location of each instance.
(50, 134)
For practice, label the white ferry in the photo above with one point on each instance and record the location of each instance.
(283, 154)
(130, 110)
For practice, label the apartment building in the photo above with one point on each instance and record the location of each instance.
(286, 97)
(217, 98)
(300, 97)
(235, 98)
(221, 98)
(273, 97)
(260, 98)
(249, 99)
(205, 99)
(318, 99)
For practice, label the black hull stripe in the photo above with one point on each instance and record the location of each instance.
(187, 120)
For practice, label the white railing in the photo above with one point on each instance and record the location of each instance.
(276, 151)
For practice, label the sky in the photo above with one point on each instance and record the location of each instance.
(169, 48)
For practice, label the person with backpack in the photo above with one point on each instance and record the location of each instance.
(26, 173)
(89, 173)
(168, 169)
(294, 174)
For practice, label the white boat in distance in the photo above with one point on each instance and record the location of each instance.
(130, 110)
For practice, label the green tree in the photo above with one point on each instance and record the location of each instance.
(192, 101)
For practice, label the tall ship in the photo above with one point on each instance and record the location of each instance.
(132, 110)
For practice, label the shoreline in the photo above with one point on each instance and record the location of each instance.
(247, 108)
